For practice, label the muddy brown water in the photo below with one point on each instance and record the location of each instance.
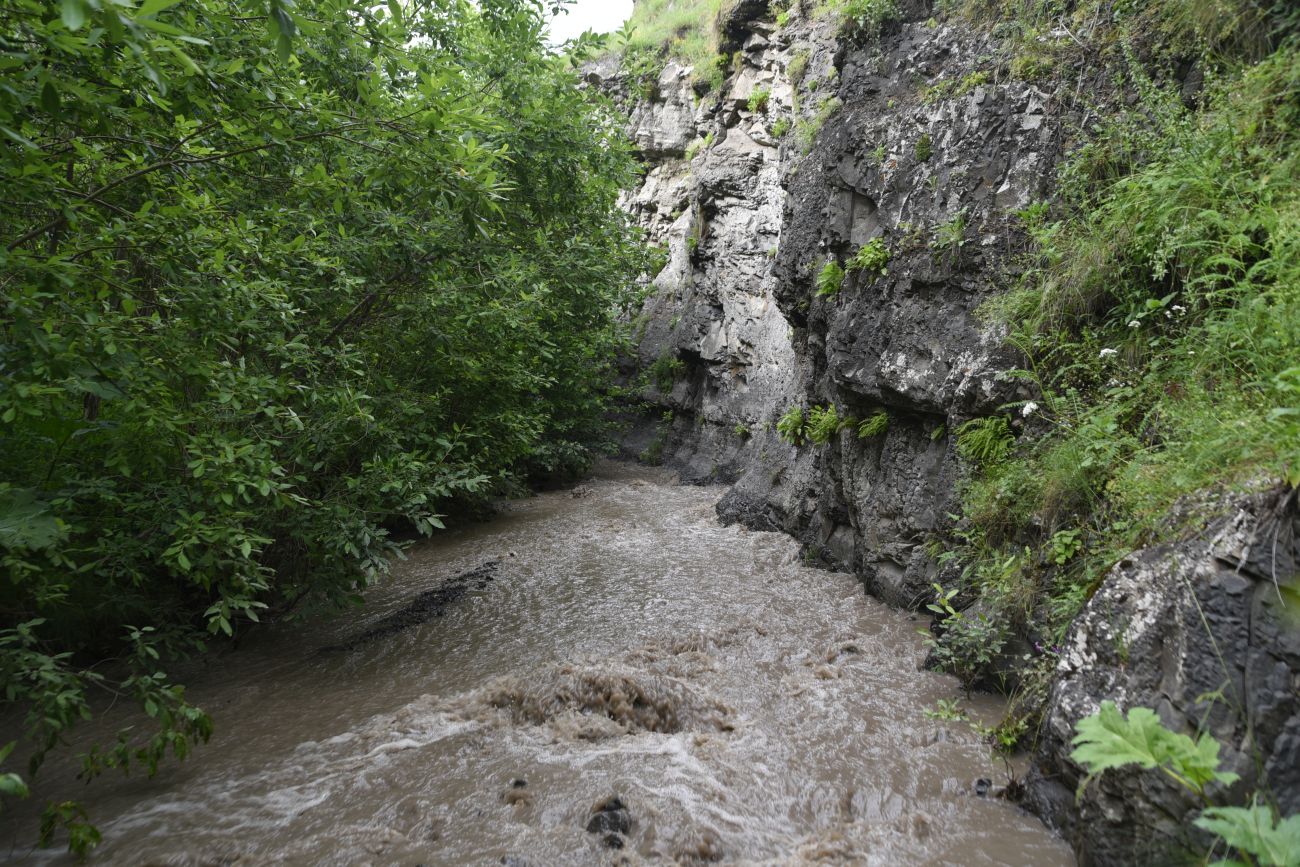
(744, 708)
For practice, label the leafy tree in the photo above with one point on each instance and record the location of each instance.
(274, 277)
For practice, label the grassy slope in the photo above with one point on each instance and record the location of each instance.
(682, 30)
(1159, 317)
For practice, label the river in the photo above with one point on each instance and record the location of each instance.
(607, 656)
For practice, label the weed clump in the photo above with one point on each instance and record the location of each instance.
(829, 279)
(871, 258)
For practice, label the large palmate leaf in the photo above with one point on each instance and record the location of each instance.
(1109, 740)
(1253, 830)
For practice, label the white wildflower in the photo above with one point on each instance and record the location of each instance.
(1178, 308)
(1133, 323)
(1107, 352)
(1028, 409)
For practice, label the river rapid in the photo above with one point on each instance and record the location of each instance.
(606, 657)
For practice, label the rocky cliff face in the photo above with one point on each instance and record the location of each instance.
(749, 218)
(1197, 629)
(908, 140)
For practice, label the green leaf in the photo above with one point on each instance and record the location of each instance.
(13, 786)
(25, 521)
(153, 7)
(1254, 831)
(50, 99)
(73, 13)
(1107, 740)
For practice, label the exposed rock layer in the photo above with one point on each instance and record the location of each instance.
(1197, 629)
(749, 221)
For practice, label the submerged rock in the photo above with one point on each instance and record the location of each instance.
(425, 606)
(610, 817)
(592, 702)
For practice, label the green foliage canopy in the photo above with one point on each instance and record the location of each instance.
(273, 277)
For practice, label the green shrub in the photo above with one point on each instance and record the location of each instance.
(665, 371)
(950, 237)
(872, 258)
(969, 643)
(758, 100)
(791, 427)
(923, 148)
(797, 67)
(781, 127)
(829, 279)
(642, 65)
(866, 17)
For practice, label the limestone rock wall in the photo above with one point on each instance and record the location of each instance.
(749, 218)
(1198, 630)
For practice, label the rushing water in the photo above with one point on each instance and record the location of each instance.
(743, 708)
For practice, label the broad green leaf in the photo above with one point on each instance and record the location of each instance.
(1108, 740)
(153, 7)
(26, 522)
(73, 13)
(1254, 831)
(13, 786)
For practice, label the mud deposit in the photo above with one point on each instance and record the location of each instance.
(635, 684)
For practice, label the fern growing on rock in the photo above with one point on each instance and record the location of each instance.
(823, 423)
(871, 258)
(830, 279)
(876, 425)
(791, 426)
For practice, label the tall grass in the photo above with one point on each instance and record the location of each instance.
(1160, 318)
(683, 30)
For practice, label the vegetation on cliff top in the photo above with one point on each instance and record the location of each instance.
(687, 31)
(681, 30)
(275, 279)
